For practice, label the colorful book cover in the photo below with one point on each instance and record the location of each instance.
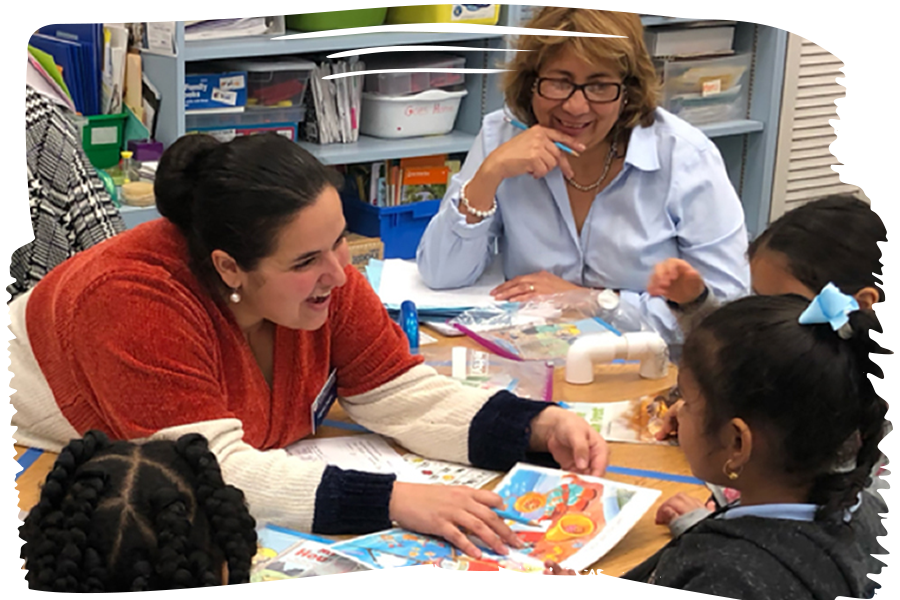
(578, 520)
(423, 183)
(272, 540)
(307, 558)
(633, 421)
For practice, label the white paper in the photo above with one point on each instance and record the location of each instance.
(400, 281)
(367, 452)
(448, 473)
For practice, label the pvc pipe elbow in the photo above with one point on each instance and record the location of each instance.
(645, 346)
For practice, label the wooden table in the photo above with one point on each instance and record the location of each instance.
(612, 383)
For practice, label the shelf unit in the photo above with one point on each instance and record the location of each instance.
(747, 145)
(483, 49)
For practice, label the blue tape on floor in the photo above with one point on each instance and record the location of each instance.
(344, 425)
(27, 459)
(654, 475)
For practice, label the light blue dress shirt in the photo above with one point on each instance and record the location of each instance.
(672, 199)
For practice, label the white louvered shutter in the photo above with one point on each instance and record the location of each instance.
(835, 103)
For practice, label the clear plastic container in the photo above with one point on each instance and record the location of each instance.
(400, 84)
(706, 90)
(275, 83)
(228, 125)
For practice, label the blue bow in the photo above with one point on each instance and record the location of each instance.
(830, 306)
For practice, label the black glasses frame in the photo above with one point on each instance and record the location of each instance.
(575, 88)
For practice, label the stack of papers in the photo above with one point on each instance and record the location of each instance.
(78, 51)
(397, 280)
(224, 28)
(337, 103)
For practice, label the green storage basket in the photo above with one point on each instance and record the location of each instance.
(338, 19)
(102, 138)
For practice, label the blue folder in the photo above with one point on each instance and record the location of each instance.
(68, 56)
(90, 37)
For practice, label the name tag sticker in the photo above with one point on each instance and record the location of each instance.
(323, 402)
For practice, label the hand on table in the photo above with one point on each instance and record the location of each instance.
(533, 152)
(680, 504)
(526, 287)
(567, 584)
(670, 421)
(676, 280)
(445, 510)
(574, 444)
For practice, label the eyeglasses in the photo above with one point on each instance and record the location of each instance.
(563, 89)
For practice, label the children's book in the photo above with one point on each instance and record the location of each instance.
(306, 570)
(578, 519)
(272, 540)
(634, 421)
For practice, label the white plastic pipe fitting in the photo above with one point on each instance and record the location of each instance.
(644, 346)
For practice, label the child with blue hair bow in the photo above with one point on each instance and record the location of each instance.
(830, 240)
(778, 405)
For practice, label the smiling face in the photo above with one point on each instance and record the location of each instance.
(587, 122)
(292, 286)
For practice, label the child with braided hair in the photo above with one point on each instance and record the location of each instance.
(779, 406)
(124, 516)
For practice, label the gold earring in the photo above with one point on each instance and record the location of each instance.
(730, 473)
(235, 296)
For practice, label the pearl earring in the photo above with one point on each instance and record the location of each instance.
(235, 296)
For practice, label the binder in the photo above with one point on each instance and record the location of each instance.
(88, 40)
(67, 55)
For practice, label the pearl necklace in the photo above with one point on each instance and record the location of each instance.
(587, 188)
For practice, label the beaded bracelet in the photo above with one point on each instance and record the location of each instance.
(481, 214)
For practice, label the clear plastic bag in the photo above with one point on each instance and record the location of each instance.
(544, 328)
(527, 379)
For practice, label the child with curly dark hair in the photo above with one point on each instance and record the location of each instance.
(124, 516)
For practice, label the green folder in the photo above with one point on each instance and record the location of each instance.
(50, 66)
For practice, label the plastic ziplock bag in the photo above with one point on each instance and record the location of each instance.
(527, 379)
(544, 328)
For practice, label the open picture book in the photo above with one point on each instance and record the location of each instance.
(577, 519)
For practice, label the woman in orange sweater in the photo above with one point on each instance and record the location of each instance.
(234, 317)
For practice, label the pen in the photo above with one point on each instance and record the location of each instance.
(524, 127)
(514, 517)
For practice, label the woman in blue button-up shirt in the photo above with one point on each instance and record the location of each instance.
(641, 187)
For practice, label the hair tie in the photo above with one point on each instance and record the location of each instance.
(831, 306)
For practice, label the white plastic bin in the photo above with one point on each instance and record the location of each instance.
(432, 112)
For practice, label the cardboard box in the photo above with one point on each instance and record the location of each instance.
(217, 90)
(363, 249)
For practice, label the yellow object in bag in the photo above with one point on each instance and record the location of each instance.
(481, 14)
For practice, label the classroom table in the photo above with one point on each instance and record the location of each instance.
(613, 382)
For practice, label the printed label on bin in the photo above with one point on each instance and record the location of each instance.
(232, 83)
(104, 135)
(711, 87)
(224, 97)
(463, 12)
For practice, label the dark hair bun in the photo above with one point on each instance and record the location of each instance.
(176, 177)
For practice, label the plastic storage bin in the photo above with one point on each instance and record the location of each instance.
(102, 138)
(227, 126)
(278, 83)
(398, 84)
(399, 227)
(706, 90)
(338, 19)
(432, 112)
(484, 14)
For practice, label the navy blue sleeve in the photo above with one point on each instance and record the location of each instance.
(352, 502)
(500, 433)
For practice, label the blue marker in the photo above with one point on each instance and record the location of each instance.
(524, 127)
(409, 323)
